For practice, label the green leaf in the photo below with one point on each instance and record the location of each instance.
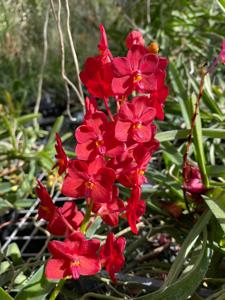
(216, 202)
(187, 284)
(207, 96)
(221, 4)
(216, 170)
(94, 227)
(4, 205)
(13, 252)
(4, 295)
(6, 272)
(180, 134)
(56, 127)
(27, 118)
(180, 89)
(172, 153)
(186, 247)
(36, 288)
(5, 187)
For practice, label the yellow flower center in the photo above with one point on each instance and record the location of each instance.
(75, 263)
(90, 185)
(137, 78)
(99, 143)
(141, 172)
(137, 125)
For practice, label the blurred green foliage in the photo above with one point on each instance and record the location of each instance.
(190, 34)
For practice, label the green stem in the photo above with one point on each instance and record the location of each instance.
(84, 225)
(57, 289)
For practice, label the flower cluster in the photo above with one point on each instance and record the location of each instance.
(113, 150)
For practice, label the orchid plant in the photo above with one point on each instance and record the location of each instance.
(113, 150)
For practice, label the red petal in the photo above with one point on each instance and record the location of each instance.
(103, 43)
(97, 121)
(100, 193)
(73, 185)
(149, 83)
(56, 269)
(127, 112)
(148, 116)
(121, 244)
(89, 266)
(122, 85)
(142, 135)
(121, 66)
(61, 250)
(122, 130)
(163, 62)
(89, 247)
(95, 165)
(149, 63)
(56, 225)
(84, 133)
(135, 55)
(86, 151)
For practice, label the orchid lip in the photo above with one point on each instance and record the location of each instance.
(75, 266)
(141, 172)
(99, 143)
(137, 125)
(137, 77)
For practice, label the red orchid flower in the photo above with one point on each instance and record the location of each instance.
(46, 207)
(111, 254)
(110, 210)
(89, 179)
(97, 73)
(130, 178)
(65, 219)
(97, 77)
(134, 38)
(73, 257)
(137, 71)
(135, 208)
(134, 121)
(60, 219)
(96, 138)
(193, 180)
(122, 162)
(62, 160)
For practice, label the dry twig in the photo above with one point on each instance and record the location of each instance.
(67, 81)
(45, 51)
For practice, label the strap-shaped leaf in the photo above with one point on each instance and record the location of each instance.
(36, 288)
(4, 295)
(216, 202)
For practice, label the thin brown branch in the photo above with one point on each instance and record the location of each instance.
(197, 104)
(67, 81)
(74, 54)
(45, 51)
